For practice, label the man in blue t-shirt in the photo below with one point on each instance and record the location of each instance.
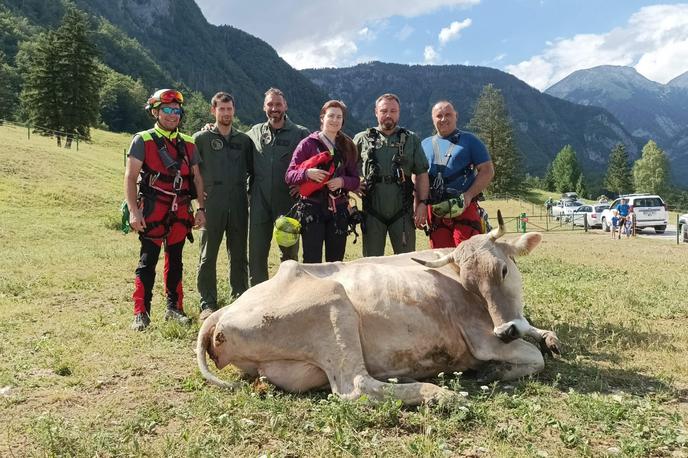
(624, 217)
(459, 164)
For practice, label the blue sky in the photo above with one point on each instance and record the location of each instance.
(539, 41)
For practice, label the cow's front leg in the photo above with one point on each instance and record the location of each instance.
(517, 359)
(548, 340)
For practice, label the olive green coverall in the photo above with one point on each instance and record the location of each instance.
(386, 200)
(225, 166)
(269, 192)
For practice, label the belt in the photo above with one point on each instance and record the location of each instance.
(387, 179)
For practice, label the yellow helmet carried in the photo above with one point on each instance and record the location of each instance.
(286, 231)
(448, 208)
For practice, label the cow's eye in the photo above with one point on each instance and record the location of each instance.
(504, 271)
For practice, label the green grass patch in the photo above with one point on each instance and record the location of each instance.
(75, 381)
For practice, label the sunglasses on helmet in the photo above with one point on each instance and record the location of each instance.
(171, 96)
(172, 111)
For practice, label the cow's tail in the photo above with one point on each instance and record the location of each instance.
(205, 334)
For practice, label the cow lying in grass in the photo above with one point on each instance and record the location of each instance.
(354, 325)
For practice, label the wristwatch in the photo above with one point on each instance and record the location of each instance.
(201, 209)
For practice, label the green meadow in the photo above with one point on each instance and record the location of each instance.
(76, 381)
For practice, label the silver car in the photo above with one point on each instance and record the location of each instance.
(593, 213)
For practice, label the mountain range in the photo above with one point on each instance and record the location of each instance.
(170, 43)
(166, 42)
(649, 110)
(543, 124)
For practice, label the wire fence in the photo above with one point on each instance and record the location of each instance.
(69, 137)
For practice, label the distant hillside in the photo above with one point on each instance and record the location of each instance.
(543, 124)
(680, 81)
(649, 110)
(166, 41)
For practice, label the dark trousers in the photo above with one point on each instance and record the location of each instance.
(145, 275)
(327, 228)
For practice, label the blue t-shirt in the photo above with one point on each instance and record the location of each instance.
(468, 152)
(623, 209)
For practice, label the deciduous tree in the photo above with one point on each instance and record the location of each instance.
(565, 170)
(651, 171)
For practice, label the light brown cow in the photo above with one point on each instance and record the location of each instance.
(354, 325)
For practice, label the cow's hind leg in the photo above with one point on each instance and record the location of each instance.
(340, 355)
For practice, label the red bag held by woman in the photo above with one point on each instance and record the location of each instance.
(322, 161)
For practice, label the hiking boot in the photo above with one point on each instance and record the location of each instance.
(177, 315)
(206, 312)
(141, 322)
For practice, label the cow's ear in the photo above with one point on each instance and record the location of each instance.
(526, 243)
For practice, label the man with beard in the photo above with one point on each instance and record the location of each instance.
(395, 185)
(226, 156)
(274, 142)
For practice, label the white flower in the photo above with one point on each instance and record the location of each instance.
(393, 380)
(484, 387)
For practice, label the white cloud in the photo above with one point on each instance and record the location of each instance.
(405, 32)
(310, 37)
(323, 54)
(654, 41)
(430, 55)
(453, 31)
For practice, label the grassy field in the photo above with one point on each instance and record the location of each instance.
(75, 381)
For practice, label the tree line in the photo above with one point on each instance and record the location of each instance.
(60, 85)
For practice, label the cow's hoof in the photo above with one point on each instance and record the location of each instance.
(443, 398)
(550, 344)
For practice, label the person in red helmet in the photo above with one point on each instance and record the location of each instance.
(161, 179)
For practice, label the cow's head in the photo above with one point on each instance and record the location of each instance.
(487, 269)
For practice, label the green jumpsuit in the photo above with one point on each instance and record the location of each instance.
(384, 205)
(269, 193)
(225, 166)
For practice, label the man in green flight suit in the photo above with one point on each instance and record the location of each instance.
(274, 142)
(395, 182)
(227, 156)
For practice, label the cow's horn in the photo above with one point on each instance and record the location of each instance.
(500, 230)
(443, 261)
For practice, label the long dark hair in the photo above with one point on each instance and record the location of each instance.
(342, 142)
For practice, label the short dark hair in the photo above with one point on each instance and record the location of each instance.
(275, 91)
(221, 97)
(388, 96)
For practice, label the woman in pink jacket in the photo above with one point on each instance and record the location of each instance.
(325, 185)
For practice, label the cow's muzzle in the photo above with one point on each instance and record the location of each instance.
(507, 332)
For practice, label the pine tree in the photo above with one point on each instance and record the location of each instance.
(62, 85)
(565, 170)
(491, 124)
(548, 181)
(9, 85)
(619, 178)
(651, 171)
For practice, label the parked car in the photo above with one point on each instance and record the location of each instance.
(565, 208)
(649, 210)
(593, 212)
(683, 227)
